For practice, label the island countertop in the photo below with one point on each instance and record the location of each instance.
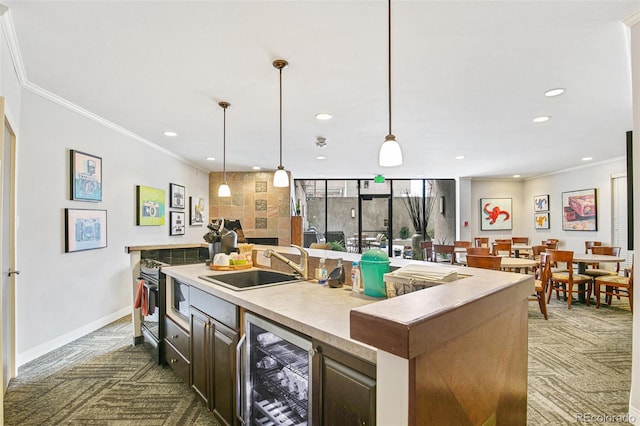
(324, 313)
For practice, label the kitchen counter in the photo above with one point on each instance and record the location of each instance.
(318, 311)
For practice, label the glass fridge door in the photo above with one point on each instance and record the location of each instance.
(277, 375)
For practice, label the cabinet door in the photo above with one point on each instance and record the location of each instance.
(345, 391)
(201, 353)
(224, 366)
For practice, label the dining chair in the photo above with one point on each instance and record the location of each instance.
(612, 286)
(446, 252)
(521, 240)
(479, 251)
(427, 250)
(502, 249)
(481, 241)
(484, 262)
(589, 244)
(542, 283)
(563, 281)
(460, 257)
(596, 269)
(551, 243)
(536, 252)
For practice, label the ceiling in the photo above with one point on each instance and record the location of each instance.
(468, 77)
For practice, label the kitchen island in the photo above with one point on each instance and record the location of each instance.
(451, 354)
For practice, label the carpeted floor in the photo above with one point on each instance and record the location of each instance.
(579, 371)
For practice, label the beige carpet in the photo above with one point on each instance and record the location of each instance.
(579, 366)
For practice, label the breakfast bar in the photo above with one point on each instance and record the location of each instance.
(455, 352)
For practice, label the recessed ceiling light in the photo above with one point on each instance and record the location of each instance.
(587, 158)
(210, 158)
(542, 119)
(323, 116)
(554, 92)
(460, 157)
(321, 157)
(170, 134)
(516, 176)
(256, 167)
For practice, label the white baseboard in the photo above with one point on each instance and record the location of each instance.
(33, 353)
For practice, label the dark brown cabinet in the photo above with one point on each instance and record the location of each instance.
(176, 349)
(213, 355)
(344, 388)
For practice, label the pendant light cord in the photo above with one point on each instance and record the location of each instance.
(224, 144)
(280, 117)
(389, 65)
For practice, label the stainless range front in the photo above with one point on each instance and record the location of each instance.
(150, 298)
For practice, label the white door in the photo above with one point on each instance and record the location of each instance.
(7, 249)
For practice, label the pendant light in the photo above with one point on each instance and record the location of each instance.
(280, 178)
(224, 190)
(390, 151)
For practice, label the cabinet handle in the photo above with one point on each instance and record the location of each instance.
(173, 360)
(239, 393)
(175, 336)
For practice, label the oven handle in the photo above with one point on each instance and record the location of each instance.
(239, 394)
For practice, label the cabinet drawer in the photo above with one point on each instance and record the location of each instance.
(223, 311)
(177, 363)
(178, 338)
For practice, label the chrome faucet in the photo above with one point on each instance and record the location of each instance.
(302, 268)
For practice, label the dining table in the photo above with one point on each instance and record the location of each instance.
(520, 246)
(518, 263)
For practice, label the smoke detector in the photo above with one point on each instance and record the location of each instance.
(321, 142)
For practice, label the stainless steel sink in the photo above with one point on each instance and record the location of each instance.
(246, 280)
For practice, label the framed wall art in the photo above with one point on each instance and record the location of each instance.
(579, 210)
(85, 229)
(176, 196)
(495, 214)
(196, 211)
(541, 203)
(541, 220)
(176, 223)
(150, 208)
(86, 177)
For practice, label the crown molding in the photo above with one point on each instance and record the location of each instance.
(16, 58)
(633, 19)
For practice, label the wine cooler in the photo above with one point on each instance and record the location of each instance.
(274, 386)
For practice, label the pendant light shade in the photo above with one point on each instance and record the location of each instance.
(390, 151)
(280, 178)
(224, 190)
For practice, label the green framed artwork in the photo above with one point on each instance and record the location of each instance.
(151, 206)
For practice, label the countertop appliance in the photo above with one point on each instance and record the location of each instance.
(274, 375)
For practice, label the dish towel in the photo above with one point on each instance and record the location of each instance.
(142, 298)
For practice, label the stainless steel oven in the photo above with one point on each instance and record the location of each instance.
(150, 299)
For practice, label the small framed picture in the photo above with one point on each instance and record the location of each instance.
(176, 196)
(150, 208)
(541, 203)
(85, 229)
(196, 211)
(541, 220)
(86, 177)
(580, 210)
(177, 223)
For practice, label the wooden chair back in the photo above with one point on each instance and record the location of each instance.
(479, 251)
(551, 243)
(537, 251)
(503, 240)
(445, 250)
(465, 244)
(520, 240)
(427, 250)
(481, 241)
(484, 262)
(609, 251)
(502, 249)
(588, 245)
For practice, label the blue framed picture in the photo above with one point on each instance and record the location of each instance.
(86, 177)
(85, 229)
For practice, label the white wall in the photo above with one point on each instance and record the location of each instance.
(594, 176)
(61, 296)
(497, 189)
